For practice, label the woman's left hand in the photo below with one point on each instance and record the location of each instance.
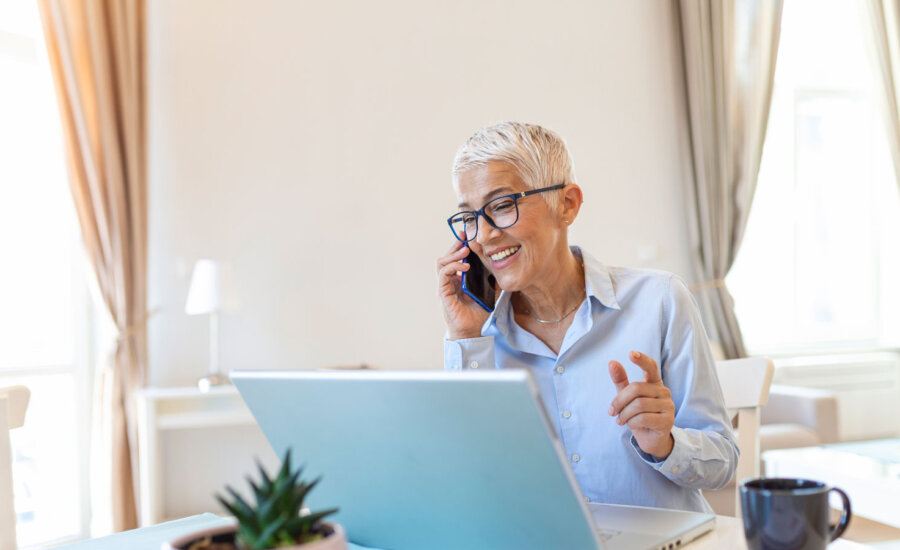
(646, 407)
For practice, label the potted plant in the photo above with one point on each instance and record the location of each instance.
(278, 520)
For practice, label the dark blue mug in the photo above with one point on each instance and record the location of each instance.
(790, 514)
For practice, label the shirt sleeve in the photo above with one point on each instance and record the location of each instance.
(705, 454)
(469, 353)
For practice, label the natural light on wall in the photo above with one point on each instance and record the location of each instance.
(819, 263)
(43, 316)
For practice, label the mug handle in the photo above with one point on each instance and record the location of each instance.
(836, 531)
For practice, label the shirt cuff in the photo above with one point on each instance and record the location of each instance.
(679, 465)
(469, 353)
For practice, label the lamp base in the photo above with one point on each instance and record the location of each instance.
(215, 379)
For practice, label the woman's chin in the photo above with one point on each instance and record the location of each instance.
(509, 284)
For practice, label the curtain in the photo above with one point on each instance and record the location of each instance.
(96, 54)
(884, 22)
(728, 51)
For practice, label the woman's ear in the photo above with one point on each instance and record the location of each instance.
(570, 203)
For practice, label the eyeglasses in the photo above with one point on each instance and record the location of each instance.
(501, 212)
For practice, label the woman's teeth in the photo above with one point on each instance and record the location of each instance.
(504, 253)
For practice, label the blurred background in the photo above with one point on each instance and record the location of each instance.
(307, 146)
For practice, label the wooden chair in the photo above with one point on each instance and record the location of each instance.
(13, 402)
(745, 387)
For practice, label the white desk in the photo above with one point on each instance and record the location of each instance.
(728, 534)
(869, 472)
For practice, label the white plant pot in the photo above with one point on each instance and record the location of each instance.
(336, 541)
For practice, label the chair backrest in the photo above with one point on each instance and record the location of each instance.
(13, 403)
(745, 387)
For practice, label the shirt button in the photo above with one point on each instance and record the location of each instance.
(567, 414)
(674, 469)
(575, 458)
(474, 364)
(587, 499)
(560, 369)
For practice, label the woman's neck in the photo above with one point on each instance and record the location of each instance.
(556, 295)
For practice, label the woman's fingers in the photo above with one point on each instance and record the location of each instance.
(448, 266)
(447, 274)
(657, 422)
(457, 244)
(452, 268)
(456, 248)
(636, 390)
(464, 317)
(647, 364)
(643, 405)
(618, 375)
(453, 256)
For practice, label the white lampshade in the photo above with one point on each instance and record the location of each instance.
(212, 288)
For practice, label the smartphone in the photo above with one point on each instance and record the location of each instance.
(478, 283)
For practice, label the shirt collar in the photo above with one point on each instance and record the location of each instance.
(597, 280)
(501, 313)
(597, 283)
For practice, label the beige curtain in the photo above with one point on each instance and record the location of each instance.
(728, 53)
(96, 52)
(884, 24)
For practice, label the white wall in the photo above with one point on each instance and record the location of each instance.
(310, 144)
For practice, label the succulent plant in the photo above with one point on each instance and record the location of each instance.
(279, 518)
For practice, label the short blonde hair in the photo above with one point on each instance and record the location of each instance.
(538, 155)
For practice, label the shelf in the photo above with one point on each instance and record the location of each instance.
(211, 419)
(187, 392)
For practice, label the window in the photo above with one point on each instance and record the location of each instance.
(821, 253)
(43, 297)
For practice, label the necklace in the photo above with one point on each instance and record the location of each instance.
(551, 322)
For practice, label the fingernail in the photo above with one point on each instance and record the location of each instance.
(619, 421)
(637, 354)
(612, 411)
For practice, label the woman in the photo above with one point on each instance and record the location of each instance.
(620, 355)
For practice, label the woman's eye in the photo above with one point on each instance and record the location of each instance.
(503, 206)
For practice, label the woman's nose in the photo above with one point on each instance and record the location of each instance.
(485, 230)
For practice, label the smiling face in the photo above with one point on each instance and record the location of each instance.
(531, 251)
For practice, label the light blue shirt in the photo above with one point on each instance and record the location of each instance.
(626, 309)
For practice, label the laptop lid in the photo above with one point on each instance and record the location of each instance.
(426, 459)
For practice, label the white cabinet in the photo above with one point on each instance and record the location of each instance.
(190, 445)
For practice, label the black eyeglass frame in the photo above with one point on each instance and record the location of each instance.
(481, 211)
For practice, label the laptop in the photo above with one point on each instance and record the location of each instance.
(419, 460)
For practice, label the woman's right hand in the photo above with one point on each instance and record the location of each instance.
(464, 317)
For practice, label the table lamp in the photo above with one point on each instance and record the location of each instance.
(212, 290)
